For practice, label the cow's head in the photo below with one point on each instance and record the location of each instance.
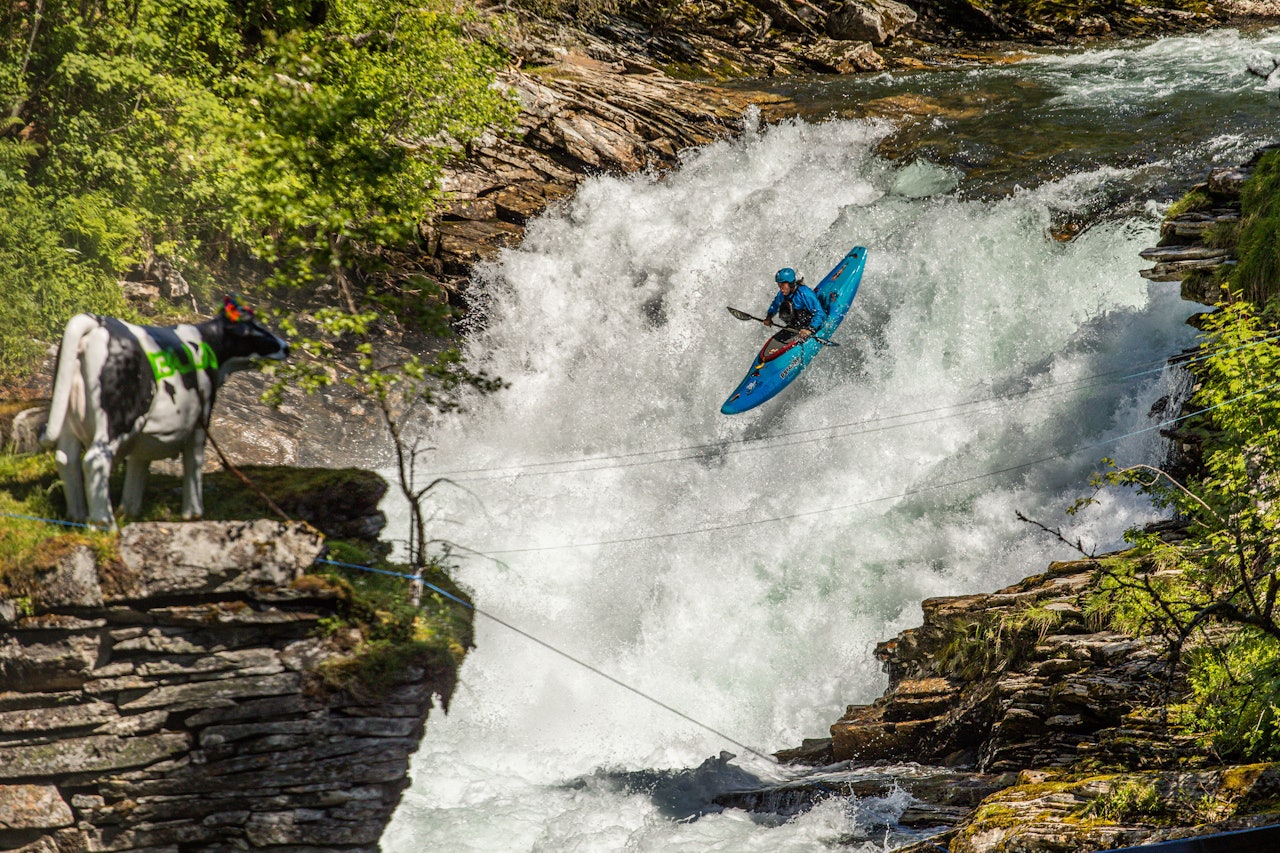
(244, 339)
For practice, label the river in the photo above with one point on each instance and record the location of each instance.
(735, 573)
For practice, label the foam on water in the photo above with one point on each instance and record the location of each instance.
(891, 471)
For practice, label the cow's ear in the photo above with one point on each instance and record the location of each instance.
(235, 310)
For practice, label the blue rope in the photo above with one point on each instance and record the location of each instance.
(413, 578)
(45, 520)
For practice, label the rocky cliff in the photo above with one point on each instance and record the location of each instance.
(1035, 728)
(170, 696)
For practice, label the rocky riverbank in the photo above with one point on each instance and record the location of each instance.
(174, 697)
(168, 698)
(1040, 727)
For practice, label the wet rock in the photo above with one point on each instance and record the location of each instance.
(1175, 254)
(874, 21)
(843, 57)
(939, 797)
(1037, 704)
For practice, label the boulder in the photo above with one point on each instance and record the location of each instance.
(163, 559)
(842, 57)
(875, 21)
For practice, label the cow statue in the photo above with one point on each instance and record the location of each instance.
(143, 393)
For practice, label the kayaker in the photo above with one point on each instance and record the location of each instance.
(796, 305)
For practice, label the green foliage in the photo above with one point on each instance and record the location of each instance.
(1256, 277)
(348, 125)
(1235, 695)
(44, 280)
(1215, 593)
(1128, 800)
(975, 649)
(303, 139)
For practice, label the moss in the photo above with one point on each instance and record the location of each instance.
(374, 669)
(1197, 199)
(1257, 275)
(316, 584)
(388, 634)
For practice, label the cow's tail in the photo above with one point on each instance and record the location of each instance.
(64, 374)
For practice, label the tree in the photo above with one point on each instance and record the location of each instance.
(1213, 593)
(296, 142)
(405, 391)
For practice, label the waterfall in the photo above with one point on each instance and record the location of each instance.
(740, 570)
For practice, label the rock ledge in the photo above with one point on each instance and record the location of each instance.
(169, 703)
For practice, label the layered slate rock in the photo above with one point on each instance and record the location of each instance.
(1186, 251)
(168, 701)
(1011, 680)
(589, 109)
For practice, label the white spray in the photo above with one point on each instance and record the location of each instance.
(741, 569)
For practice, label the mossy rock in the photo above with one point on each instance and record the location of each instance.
(342, 503)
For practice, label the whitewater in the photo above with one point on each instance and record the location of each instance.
(740, 570)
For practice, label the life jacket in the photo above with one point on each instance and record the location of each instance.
(796, 318)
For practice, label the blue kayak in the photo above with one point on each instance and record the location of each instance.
(786, 353)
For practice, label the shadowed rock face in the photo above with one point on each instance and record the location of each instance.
(169, 700)
(980, 684)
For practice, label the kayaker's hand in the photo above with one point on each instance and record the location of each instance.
(805, 333)
(768, 322)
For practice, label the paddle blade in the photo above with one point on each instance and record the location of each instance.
(741, 315)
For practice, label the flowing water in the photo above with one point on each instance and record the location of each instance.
(740, 570)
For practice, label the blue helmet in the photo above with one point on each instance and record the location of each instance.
(786, 275)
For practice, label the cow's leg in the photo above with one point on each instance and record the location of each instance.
(135, 483)
(193, 476)
(68, 457)
(97, 471)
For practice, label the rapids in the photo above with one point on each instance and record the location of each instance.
(741, 569)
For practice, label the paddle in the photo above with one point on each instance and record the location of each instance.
(743, 315)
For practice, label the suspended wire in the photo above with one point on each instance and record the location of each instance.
(562, 654)
(416, 579)
(647, 697)
(910, 493)
(698, 451)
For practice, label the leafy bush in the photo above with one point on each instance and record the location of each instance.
(44, 280)
(1214, 594)
(300, 140)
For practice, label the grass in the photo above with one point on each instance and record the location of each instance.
(380, 638)
(1257, 276)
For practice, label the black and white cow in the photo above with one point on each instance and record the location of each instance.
(143, 393)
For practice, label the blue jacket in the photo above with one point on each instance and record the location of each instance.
(802, 299)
